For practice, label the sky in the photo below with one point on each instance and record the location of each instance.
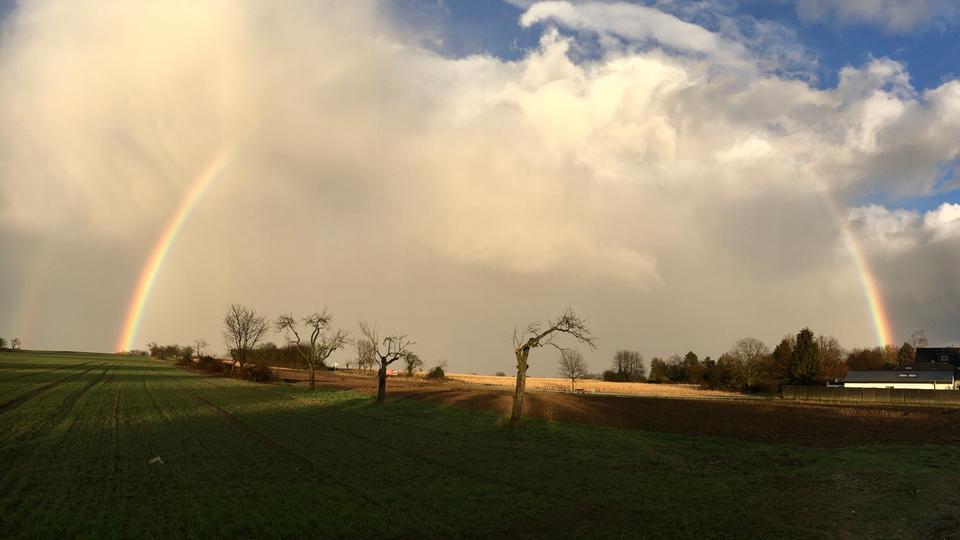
(683, 174)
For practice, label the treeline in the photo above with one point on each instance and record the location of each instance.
(170, 352)
(268, 353)
(187, 356)
(750, 365)
(311, 340)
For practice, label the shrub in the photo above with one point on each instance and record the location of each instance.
(436, 374)
(185, 358)
(257, 373)
(614, 376)
(211, 365)
(501, 374)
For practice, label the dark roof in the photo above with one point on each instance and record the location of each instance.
(939, 354)
(908, 376)
(927, 366)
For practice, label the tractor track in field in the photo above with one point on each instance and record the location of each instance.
(16, 401)
(60, 413)
(29, 373)
(67, 405)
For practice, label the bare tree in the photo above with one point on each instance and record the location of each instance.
(199, 345)
(918, 339)
(243, 328)
(748, 354)
(535, 335)
(15, 343)
(322, 342)
(385, 352)
(364, 354)
(627, 367)
(832, 357)
(413, 363)
(572, 366)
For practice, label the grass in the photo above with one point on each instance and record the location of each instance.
(242, 460)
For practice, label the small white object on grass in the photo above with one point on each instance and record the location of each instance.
(156, 460)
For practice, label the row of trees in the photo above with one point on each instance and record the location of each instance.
(14, 344)
(750, 365)
(314, 339)
(170, 352)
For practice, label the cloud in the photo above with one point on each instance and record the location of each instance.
(633, 22)
(897, 230)
(917, 256)
(896, 16)
(677, 205)
(730, 40)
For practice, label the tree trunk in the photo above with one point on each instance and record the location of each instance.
(313, 377)
(518, 393)
(572, 389)
(382, 384)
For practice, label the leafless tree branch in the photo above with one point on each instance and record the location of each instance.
(386, 351)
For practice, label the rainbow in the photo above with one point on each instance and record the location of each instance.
(148, 276)
(878, 311)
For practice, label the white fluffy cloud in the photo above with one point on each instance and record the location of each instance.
(634, 22)
(678, 205)
(898, 231)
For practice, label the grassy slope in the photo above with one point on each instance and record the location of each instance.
(246, 460)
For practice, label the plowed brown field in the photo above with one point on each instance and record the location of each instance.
(767, 420)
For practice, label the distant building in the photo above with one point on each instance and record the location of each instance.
(950, 355)
(917, 375)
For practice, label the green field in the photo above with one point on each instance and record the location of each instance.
(244, 460)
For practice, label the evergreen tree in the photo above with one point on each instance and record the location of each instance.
(906, 354)
(805, 361)
(780, 360)
(658, 370)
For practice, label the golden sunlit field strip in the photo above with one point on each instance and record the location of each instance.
(593, 386)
